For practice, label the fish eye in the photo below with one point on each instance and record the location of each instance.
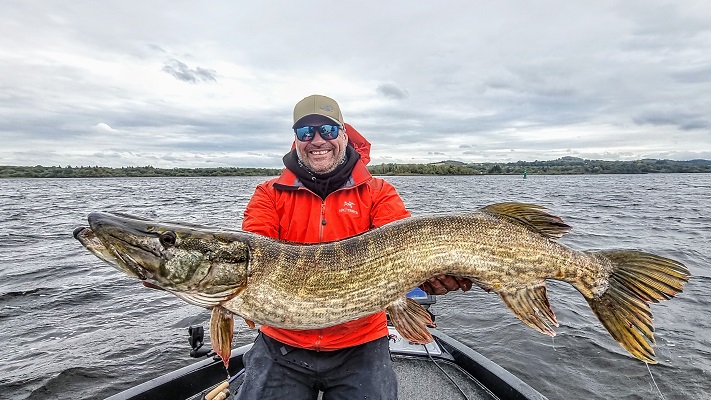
(168, 238)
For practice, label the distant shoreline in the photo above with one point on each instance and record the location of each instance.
(561, 166)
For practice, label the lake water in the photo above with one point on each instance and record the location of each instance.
(74, 328)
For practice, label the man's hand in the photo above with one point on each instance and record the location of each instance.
(442, 284)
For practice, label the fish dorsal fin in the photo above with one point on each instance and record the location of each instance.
(532, 216)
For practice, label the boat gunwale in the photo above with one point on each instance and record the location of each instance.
(495, 378)
(207, 373)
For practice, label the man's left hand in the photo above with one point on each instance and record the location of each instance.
(442, 284)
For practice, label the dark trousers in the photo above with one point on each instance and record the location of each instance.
(277, 371)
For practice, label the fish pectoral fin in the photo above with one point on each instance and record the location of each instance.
(532, 216)
(411, 320)
(249, 323)
(530, 304)
(222, 326)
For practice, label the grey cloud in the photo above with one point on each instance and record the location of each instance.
(683, 120)
(663, 27)
(695, 124)
(685, 155)
(182, 72)
(612, 77)
(391, 91)
(692, 75)
(156, 48)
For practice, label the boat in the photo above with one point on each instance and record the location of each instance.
(443, 369)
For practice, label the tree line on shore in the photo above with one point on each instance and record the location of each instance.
(39, 171)
(565, 165)
(561, 166)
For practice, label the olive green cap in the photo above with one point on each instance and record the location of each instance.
(319, 105)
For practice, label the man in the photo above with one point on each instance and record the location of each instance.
(325, 194)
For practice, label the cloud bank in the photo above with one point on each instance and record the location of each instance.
(172, 85)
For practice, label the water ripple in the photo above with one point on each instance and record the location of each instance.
(75, 328)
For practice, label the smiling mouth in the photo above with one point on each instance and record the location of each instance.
(319, 152)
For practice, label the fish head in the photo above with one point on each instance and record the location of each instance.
(197, 264)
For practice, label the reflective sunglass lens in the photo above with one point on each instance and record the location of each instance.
(329, 132)
(305, 133)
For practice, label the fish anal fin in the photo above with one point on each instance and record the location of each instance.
(222, 326)
(531, 305)
(411, 320)
(532, 216)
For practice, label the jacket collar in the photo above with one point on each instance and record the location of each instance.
(289, 181)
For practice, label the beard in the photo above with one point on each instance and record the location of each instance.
(321, 166)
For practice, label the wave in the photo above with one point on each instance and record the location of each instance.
(22, 293)
(69, 382)
(96, 333)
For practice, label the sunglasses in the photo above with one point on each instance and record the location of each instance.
(308, 133)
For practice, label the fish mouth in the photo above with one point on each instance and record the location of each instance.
(88, 238)
(127, 248)
(151, 252)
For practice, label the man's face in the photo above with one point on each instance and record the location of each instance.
(319, 155)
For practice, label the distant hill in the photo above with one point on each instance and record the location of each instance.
(563, 165)
(449, 162)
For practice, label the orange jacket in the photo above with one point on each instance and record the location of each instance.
(282, 208)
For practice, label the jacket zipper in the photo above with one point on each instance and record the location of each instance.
(322, 224)
(322, 221)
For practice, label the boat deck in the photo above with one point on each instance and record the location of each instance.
(438, 379)
(435, 375)
(444, 369)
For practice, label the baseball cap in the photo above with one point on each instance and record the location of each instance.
(319, 105)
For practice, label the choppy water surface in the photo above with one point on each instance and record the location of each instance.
(74, 327)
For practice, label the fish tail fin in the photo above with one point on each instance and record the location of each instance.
(411, 320)
(637, 279)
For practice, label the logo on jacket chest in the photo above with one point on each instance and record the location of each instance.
(348, 208)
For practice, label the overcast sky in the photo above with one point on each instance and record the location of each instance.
(208, 84)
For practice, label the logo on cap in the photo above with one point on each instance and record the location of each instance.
(327, 108)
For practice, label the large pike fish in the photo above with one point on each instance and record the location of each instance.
(506, 248)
